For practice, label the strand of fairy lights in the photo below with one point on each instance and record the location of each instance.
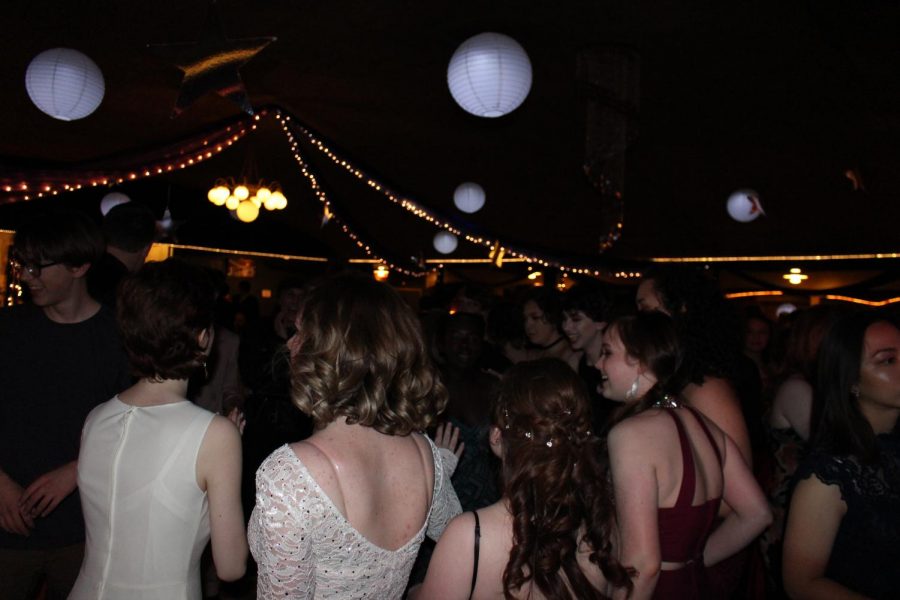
(150, 170)
(423, 213)
(326, 204)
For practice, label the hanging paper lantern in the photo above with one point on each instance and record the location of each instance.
(489, 75)
(218, 195)
(445, 242)
(112, 199)
(64, 84)
(744, 206)
(231, 202)
(469, 197)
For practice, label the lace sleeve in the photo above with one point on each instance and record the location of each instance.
(279, 535)
(445, 505)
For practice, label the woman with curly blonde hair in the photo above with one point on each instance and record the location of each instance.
(550, 535)
(342, 514)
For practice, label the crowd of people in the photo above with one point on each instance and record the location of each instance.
(160, 437)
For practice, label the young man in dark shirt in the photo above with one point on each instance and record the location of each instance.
(61, 357)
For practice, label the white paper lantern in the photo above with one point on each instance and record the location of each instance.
(469, 197)
(489, 75)
(744, 206)
(112, 199)
(445, 242)
(64, 83)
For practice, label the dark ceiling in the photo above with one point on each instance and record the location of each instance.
(782, 97)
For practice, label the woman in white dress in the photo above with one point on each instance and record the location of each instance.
(158, 475)
(343, 513)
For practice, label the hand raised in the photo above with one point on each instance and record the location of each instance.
(447, 436)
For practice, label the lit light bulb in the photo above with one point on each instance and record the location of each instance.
(241, 192)
(255, 200)
(218, 195)
(279, 199)
(231, 203)
(271, 203)
(247, 211)
(263, 193)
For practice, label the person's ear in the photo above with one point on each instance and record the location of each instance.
(205, 339)
(495, 440)
(80, 270)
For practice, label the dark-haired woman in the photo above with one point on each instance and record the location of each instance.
(342, 514)
(159, 476)
(843, 529)
(671, 468)
(550, 535)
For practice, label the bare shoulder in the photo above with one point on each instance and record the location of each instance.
(641, 428)
(222, 434)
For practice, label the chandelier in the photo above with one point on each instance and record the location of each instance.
(246, 199)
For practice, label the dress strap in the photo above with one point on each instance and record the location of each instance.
(688, 478)
(705, 429)
(477, 544)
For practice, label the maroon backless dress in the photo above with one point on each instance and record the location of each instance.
(684, 529)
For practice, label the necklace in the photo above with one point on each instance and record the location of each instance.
(666, 401)
(551, 344)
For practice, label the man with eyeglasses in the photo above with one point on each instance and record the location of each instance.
(60, 356)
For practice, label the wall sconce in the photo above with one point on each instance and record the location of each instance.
(795, 276)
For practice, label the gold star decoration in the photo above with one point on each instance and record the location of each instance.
(212, 64)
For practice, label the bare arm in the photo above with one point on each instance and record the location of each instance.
(637, 503)
(449, 574)
(750, 514)
(45, 493)
(716, 399)
(813, 521)
(219, 472)
(793, 406)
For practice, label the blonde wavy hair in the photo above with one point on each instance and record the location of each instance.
(360, 354)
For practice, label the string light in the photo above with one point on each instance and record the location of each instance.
(863, 302)
(735, 295)
(781, 258)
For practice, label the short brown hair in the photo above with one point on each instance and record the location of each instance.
(361, 355)
(65, 236)
(161, 310)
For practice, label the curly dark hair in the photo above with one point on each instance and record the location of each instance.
(161, 311)
(360, 354)
(708, 327)
(554, 481)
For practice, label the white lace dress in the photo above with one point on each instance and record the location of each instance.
(305, 548)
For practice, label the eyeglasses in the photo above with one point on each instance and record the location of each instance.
(33, 269)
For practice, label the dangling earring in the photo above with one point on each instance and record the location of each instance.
(632, 391)
(202, 360)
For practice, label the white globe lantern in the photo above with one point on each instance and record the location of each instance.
(489, 75)
(64, 83)
(469, 197)
(744, 206)
(112, 199)
(445, 242)
(785, 309)
(247, 211)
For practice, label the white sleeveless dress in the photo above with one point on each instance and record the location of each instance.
(147, 520)
(305, 548)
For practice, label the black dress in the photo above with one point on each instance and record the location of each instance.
(865, 556)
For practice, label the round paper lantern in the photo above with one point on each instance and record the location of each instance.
(445, 242)
(744, 206)
(64, 83)
(489, 75)
(231, 202)
(785, 309)
(112, 199)
(469, 197)
(218, 195)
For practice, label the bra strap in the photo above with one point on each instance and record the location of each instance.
(477, 544)
(688, 479)
(705, 429)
